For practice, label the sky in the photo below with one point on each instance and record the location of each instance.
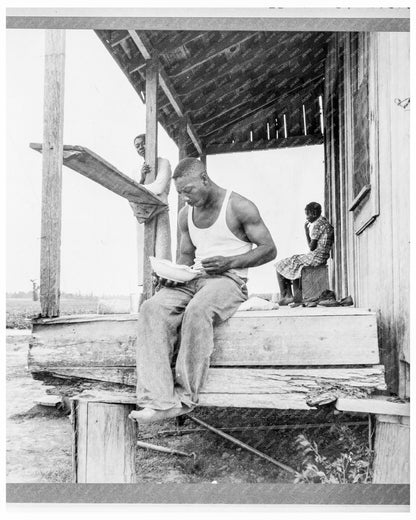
(104, 113)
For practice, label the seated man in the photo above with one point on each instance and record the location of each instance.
(320, 237)
(218, 229)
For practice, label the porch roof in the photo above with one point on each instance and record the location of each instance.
(237, 90)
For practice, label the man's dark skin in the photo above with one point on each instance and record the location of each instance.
(242, 217)
(140, 145)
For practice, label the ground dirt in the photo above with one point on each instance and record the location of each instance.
(39, 437)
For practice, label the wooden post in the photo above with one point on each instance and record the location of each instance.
(183, 137)
(392, 450)
(152, 76)
(53, 118)
(103, 442)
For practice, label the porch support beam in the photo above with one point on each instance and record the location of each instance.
(53, 119)
(152, 75)
(145, 48)
(182, 154)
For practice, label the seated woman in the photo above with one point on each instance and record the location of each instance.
(320, 237)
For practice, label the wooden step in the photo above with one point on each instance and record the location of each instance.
(286, 337)
(382, 406)
(257, 387)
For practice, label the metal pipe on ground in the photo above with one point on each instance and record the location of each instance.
(187, 431)
(163, 449)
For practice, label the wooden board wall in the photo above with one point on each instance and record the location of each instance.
(378, 255)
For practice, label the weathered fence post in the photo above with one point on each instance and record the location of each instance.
(103, 442)
(53, 118)
(392, 450)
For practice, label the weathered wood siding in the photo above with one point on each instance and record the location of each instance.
(333, 350)
(376, 238)
(392, 450)
(340, 336)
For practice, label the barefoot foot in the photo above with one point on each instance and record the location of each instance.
(148, 415)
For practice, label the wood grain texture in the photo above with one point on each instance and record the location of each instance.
(249, 388)
(399, 48)
(143, 45)
(97, 169)
(392, 453)
(377, 406)
(378, 257)
(79, 420)
(105, 443)
(247, 339)
(182, 154)
(53, 120)
(298, 384)
(281, 312)
(152, 75)
(215, 399)
(282, 402)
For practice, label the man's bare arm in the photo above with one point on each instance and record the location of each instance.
(164, 174)
(186, 247)
(256, 232)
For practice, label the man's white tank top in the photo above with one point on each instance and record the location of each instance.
(218, 239)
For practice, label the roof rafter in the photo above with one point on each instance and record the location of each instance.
(249, 91)
(119, 40)
(270, 114)
(216, 51)
(254, 111)
(234, 86)
(145, 48)
(237, 66)
(263, 98)
(173, 44)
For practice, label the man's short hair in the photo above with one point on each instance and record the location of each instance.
(188, 166)
(314, 207)
(140, 136)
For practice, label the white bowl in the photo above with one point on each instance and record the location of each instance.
(171, 271)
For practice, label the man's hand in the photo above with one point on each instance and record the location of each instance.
(144, 171)
(216, 264)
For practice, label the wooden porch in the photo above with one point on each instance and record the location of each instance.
(221, 92)
(262, 359)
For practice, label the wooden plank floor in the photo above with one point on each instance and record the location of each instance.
(262, 359)
(250, 338)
